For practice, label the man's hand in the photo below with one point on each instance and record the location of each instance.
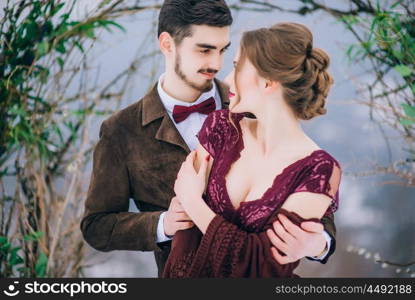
(296, 242)
(176, 218)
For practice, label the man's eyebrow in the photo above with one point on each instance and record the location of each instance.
(208, 46)
(227, 46)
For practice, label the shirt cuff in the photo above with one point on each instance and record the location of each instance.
(324, 254)
(161, 236)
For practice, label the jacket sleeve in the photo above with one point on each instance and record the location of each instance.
(106, 224)
(330, 228)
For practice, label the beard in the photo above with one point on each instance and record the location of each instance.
(203, 88)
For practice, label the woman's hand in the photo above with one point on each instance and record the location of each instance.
(190, 185)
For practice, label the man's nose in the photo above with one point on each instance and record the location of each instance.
(216, 62)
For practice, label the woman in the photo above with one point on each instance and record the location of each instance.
(253, 169)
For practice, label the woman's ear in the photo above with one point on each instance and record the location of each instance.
(270, 86)
(166, 43)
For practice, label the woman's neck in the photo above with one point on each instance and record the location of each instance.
(277, 129)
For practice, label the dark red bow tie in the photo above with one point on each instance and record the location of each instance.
(180, 113)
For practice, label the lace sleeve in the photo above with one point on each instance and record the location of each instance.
(211, 135)
(229, 251)
(323, 178)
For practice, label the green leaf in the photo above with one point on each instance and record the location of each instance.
(44, 74)
(396, 3)
(2, 173)
(41, 264)
(5, 247)
(3, 240)
(90, 33)
(409, 110)
(42, 48)
(15, 259)
(105, 23)
(56, 9)
(33, 236)
(397, 54)
(60, 62)
(57, 130)
(403, 70)
(60, 47)
(64, 17)
(406, 122)
(24, 271)
(79, 46)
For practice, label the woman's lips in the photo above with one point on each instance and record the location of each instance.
(231, 95)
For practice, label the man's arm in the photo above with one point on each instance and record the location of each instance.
(107, 225)
(161, 234)
(330, 235)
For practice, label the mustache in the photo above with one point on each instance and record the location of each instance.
(209, 71)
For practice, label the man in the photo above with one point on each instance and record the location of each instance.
(142, 147)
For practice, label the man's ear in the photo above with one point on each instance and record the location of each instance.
(166, 43)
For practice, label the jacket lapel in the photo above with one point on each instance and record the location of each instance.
(153, 109)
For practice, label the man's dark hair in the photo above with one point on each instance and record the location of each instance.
(177, 16)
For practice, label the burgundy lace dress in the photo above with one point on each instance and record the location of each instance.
(235, 243)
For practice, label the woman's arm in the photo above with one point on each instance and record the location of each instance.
(191, 184)
(200, 212)
(307, 205)
(317, 193)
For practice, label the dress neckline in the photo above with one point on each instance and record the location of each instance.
(237, 154)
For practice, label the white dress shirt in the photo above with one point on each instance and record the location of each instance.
(188, 130)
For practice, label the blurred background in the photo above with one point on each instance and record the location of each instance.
(65, 66)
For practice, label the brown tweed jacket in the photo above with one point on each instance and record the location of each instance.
(138, 156)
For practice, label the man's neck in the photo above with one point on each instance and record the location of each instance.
(179, 90)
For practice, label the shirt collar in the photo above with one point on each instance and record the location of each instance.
(169, 102)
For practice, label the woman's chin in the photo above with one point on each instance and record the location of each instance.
(236, 109)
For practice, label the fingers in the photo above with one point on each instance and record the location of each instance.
(203, 167)
(282, 233)
(175, 205)
(312, 227)
(281, 259)
(181, 216)
(178, 209)
(276, 241)
(191, 157)
(187, 165)
(289, 226)
(185, 225)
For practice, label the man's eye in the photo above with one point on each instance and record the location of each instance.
(205, 51)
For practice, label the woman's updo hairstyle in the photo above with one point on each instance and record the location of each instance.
(285, 53)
